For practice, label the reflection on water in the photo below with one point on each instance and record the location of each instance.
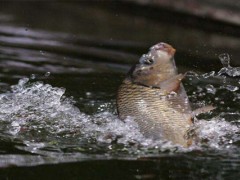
(52, 53)
(57, 96)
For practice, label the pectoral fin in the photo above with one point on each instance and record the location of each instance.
(172, 84)
(203, 110)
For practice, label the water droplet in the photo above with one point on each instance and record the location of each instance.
(225, 59)
(191, 74)
(210, 89)
(47, 74)
(224, 79)
(199, 89)
(33, 76)
(231, 88)
(110, 147)
(222, 71)
(172, 94)
(233, 71)
(207, 75)
(88, 94)
(22, 82)
(41, 52)
(238, 96)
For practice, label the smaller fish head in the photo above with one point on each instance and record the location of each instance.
(155, 66)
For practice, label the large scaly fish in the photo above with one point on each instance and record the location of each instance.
(154, 96)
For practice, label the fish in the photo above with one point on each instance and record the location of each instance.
(153, 94)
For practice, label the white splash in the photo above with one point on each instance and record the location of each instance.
(227, 68)
(37, 106)
(216, 133)
(43, 109)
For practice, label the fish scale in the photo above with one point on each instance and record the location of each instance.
(152, 110)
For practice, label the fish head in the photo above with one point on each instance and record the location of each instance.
(155, 66)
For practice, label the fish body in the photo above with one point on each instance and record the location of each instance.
(154, 96)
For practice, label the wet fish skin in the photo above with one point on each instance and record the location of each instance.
(154, 96)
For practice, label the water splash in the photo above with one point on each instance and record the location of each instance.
(30, 106)
(216, 133)
(44, 118)
(219, 129)
(38, 108)
(225, 59)
(227, 68)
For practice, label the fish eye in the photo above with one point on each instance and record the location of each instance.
(148, 61)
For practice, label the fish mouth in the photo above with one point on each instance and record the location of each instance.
(164, 47)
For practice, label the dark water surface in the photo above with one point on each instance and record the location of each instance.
(60, 67)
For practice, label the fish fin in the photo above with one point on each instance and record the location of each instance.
(172, 84)
(203, 110)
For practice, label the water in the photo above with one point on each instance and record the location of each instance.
(39, 119)
(57, 98)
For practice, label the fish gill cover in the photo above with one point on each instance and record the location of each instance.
(44, 120)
